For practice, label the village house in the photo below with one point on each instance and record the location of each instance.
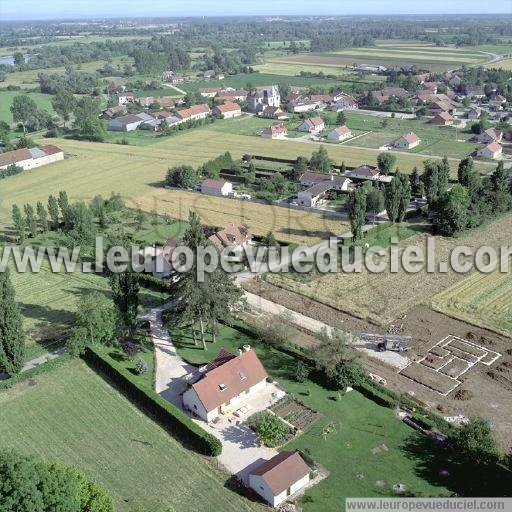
(408, 141)
(224, 383)
(163, 114)
(261, 97)
(282, 476)
(497, 102)
(129, 122)
(474, 92)
(442, 119)
(474, 113)
(492, 151)
(165, 102)
(431, 87)
(216, 187)
(124, 97)
(343, 102)
(364, 172)
(490, 135)
(209, 73)
(172, 77)
(276, 131)
(145, 101)
(193, 113)
(209, 92)
(273, 113)
(112, 112)
(340, 133)
(117, 85)
(318, 192)
(302, 105)
(386, 93)
(312, 178)
(227, 110)
(314, 125)
(234, 236)
(31, 158)
(232, 95)
(156, 260)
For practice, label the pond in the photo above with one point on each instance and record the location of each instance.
(9, 60)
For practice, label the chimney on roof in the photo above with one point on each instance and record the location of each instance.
(246, 348)
(239, 351)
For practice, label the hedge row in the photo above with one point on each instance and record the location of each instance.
(34, 372)
(165, 413)
(154, 283)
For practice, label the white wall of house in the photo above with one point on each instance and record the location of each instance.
(259, 485)
(192, 402)
(485, 153)
(226, 189)
(230, 114)
(117, 126)
(403, 144)
(335, 136)
(31, 163)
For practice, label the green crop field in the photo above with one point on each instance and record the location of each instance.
(480, 299)
(259, 79)
(137, 173)
(43, 101)
(435, 140)
(28, 79)
(392, 55)
(74, 416)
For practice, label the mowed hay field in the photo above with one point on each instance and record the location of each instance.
(383, 297)
(137, 172)
(480, 299)
(392, 55)
(501, 64)
(73, 415)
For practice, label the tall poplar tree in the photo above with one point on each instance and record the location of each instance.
(12, 338)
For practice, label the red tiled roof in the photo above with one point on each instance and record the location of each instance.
(410, 137)
(342, 130)
(194, 110)
(218, 184)
(229, 106)
(282, 471)
(12, 157)
(493, 147)
(50, 149)
(230, 379)
(231, 235)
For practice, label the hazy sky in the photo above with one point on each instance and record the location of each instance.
(50, 9)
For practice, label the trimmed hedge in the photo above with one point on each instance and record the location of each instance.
(165, 413)
(154, 283)
(33, 372)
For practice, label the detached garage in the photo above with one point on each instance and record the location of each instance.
(280, 477)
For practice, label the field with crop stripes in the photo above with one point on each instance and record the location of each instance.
(481, 299)
(385, 296)
(73, 415)
(137, 172)
(428, 57)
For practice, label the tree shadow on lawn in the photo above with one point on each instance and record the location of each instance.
(464, 478)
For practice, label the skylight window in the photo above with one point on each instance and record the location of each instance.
(222, 387)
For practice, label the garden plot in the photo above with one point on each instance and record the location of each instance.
(443, 365)
(295, 413)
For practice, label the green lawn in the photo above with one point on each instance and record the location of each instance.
(360, 425)
(43, 101)
(49, 300)
(72, 415)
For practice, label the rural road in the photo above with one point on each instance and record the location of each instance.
(177, 89)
